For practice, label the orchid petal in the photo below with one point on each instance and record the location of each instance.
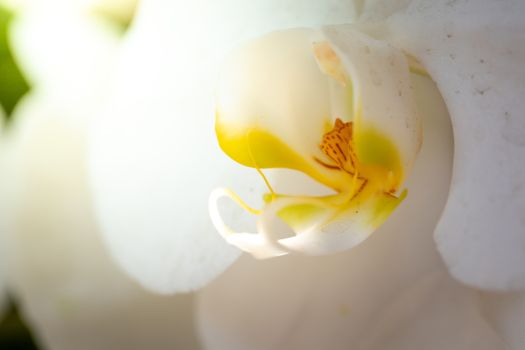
(165, 153)
(475, 53)
(70, 290)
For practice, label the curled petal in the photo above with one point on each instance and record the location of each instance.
(258, 245)
(318, 227)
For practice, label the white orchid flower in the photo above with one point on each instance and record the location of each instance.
(152, 181)
(70, 291)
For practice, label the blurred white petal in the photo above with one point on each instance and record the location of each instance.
(373, 297)
(475, 53)
(72, 294)
(154, 159)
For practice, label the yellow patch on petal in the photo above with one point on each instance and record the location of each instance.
(257, 148)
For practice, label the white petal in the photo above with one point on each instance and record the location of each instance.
(71, 292)
(506, 313)
(154, 158)
(297, 302)
(475, 53)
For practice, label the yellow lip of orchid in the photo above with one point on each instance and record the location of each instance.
(333, 104)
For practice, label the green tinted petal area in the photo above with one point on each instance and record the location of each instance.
(300, 216)
(335, 228)
(382, 206)
(373, 148)
(379, 159)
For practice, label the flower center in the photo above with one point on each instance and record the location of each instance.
(337, 145)
(274, 101)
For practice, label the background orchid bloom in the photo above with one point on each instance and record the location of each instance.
(70, 291)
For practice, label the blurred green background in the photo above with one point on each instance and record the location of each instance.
(14, 334)
(12, 83)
